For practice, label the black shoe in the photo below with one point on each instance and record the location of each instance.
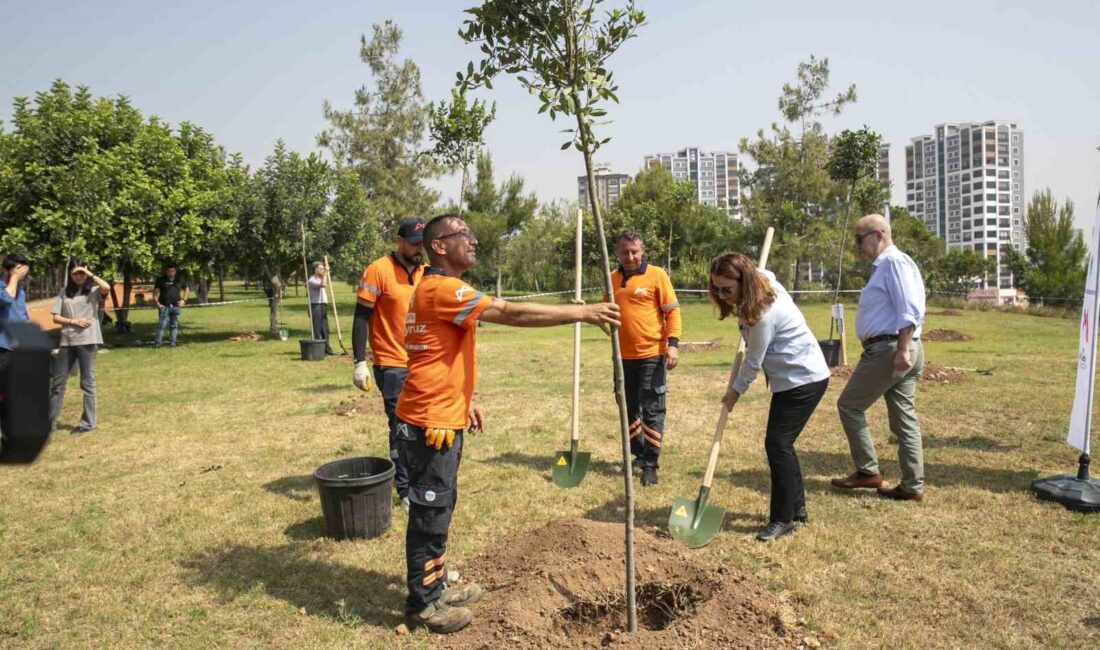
(79, 431)
(649, 476)
(800, 516)
(775, 530)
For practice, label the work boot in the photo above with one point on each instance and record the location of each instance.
(775, 530)
(801, 516)
(463, 596)
(649, 476)
(440, 618)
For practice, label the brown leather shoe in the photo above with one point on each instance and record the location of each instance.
(858, 480)
(898, 494)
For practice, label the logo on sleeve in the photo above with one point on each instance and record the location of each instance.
(462, 291)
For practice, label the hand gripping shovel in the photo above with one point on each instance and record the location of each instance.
(694, 522)
(571, 466)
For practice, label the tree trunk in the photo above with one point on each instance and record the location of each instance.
(668, 264)
(797, 283)
(202, 290)
(620, 389)
(498, 282)
(462, 188)
(275, 296)
(122, 322)
(221, 284)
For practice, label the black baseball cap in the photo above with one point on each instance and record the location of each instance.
(412, 230)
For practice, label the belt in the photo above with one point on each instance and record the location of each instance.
(880, 338)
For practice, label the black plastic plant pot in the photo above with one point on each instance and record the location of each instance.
(355, 496)
(312, 349)
(831, 350)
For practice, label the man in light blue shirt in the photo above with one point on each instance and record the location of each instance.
(13, 300)
(888, 323)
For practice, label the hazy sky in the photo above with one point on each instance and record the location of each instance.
(702, 72)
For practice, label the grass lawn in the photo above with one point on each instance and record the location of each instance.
(190, 518)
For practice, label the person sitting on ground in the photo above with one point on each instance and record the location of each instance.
(76, 310)
(435, 408)
(171, 294)
(779, 342)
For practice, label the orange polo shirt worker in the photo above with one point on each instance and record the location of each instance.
(382, 303)
(435, 409)
(648, 338)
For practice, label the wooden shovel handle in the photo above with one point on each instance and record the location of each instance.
(576, 427)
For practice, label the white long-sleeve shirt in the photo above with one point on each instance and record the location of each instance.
(317, 293)
(782, 344)
(893, 298)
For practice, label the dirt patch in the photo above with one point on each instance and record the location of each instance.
(352, 406)
(247, 336)
(930, 372)
(941, 374)
(561, 586)
(945, 312)
(945, 335)
(700, 346)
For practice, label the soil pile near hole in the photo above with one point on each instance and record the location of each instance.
(352, 406)
(699, 346)
(247, 336)
(561, 586)
(931, 372)
(945, 335)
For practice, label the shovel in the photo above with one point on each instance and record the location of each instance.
(571, 466)
(693, 521)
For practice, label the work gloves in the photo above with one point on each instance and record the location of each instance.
(437, 438)
(361, 376)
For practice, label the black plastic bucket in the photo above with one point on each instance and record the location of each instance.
(312, 349)
(355, 496)
(831, 350)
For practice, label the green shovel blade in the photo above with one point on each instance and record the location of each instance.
(570, 468)
(693, 526)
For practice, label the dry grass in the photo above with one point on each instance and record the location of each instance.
(190, 518)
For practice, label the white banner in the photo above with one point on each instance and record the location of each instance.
(1081, 416)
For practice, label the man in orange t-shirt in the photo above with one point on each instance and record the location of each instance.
(436, 408)
(382, 302)
(648, 338)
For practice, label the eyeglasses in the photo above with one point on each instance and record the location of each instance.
(859, 237)
(465, 234)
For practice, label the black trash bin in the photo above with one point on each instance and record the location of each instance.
(312, 349)
(355, 496)
(831, 350)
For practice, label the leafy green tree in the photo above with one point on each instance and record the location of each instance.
(291, 194)
(538, 255)
(496, 214)
(1052, 267)
(458, 131)
(381, 137)
(558, 51)
(791, 187)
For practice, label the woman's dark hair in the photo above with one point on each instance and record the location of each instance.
(71, 287)
(756, 292)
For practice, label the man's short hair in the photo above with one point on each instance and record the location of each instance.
(13, 260)
(313, 267)
(433, 229)
(170, 265)
(629, 235)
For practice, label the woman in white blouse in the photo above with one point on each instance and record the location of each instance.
(781, 344)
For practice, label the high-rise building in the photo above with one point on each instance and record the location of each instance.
(966, 182)
(884, 164)
(609, 186)
(716, 175)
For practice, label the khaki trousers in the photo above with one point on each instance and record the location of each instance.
(875, 377)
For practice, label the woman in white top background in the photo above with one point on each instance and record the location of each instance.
(76, 310)
(781, 344)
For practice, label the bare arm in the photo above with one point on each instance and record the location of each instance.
(533, 314)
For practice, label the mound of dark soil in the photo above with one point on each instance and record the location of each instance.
(945, 335)
(561, 586)
(931, 372)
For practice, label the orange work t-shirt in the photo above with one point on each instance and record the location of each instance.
(649, 310)
(440, 339)
(388, 286)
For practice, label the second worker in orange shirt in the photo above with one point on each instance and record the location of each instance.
(649, 339)
(435, 409)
